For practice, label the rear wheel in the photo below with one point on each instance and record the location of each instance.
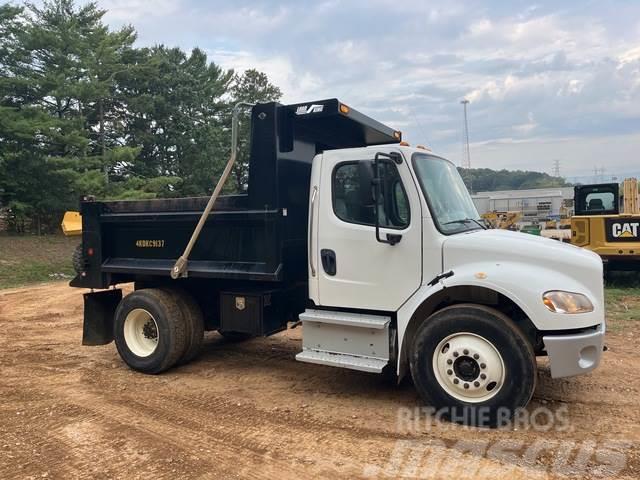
(194, 323)
(150, 330)
(473, 365)
(77, 259)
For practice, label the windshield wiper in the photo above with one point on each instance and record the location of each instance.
(465, 221)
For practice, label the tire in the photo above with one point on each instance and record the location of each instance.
(443, 360)
(194, 323)
(77, 259)
(235, 337)
(150, 330)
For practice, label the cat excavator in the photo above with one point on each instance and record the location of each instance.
(609, 223)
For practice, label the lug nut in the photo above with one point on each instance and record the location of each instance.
(482, 365)
(455, 354)
(449, 361)
(476, 383)
(476, 356)
(466, 385)
(483, 376)
(456, 381)
(449, 372)
(465, 351)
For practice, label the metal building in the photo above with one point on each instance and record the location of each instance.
(536, 205)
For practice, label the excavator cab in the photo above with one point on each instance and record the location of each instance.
(608, 223)
(599, 199)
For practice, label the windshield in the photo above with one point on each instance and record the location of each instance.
(449, 201)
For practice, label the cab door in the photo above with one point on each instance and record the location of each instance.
(355, 269)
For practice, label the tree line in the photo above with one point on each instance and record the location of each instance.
(488, 180)
(83, 110)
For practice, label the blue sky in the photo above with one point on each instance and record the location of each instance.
(546, 80)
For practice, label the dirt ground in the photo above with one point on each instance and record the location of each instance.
(250, 410)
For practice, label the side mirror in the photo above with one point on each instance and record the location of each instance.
(377, 183)
(366, 176)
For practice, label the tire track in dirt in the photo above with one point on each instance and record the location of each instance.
(258, 412)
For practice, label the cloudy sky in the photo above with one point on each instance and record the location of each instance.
(546, 80)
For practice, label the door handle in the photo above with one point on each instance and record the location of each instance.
(328, 261)
(314, 194)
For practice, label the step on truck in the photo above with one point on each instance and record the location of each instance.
(374, 246)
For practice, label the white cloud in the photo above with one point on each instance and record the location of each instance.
(532, 74)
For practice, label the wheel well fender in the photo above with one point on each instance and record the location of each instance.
(461, 294)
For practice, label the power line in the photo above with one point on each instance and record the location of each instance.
(466, 153)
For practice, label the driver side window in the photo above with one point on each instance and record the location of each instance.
(350, 202)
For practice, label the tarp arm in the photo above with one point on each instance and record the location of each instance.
(180, 269)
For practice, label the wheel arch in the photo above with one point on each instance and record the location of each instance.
(465, 294)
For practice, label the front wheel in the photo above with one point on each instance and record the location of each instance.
(473, 365)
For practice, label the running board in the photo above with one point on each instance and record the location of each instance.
(356, 341)
(347, 319)
(364, 364)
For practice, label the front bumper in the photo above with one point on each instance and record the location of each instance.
(574, 354)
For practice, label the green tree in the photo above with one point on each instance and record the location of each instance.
(83, 111)
(176, 112)
(486, 180)
(52, 79)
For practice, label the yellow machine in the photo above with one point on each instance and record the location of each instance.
(607, 226)
(72, 224)
(502, 220)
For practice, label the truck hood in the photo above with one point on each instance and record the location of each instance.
(492, 248)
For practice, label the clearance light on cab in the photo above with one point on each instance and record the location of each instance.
(567, 302)
(344, 109)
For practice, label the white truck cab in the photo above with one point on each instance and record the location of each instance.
(402, 273)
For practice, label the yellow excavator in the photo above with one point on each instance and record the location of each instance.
(502, 220)
(608, 224)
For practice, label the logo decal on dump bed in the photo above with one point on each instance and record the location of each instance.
(623, 230)
(240, 303)
(305, 109)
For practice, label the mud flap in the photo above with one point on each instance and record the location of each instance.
(99, 309)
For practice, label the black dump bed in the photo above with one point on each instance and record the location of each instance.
(260, 235)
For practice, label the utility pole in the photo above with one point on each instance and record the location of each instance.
(466, 153)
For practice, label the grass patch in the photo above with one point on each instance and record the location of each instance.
(622, 307)
(33, 259)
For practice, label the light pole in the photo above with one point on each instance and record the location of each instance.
(466, 153)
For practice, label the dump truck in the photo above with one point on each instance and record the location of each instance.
(608, 223)
(375, 247)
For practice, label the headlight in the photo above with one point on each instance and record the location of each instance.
(566, 302)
